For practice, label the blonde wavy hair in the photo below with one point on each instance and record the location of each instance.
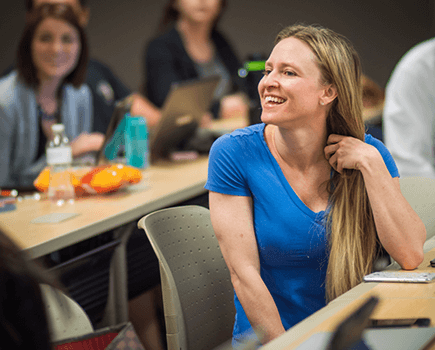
(350, 225)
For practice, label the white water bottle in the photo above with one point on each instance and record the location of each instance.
(59, 159)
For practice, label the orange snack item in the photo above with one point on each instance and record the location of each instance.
(107, 180)
(42, 181)
(96, 180)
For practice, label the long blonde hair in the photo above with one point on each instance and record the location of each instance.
(350, 225)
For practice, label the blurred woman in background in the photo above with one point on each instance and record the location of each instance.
(46, 88)
(191, 47)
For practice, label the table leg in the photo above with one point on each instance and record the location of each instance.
(116, 310)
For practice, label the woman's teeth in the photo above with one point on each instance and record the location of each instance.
(274, 99)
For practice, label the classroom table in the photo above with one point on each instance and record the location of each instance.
(164, 184)
(397, 300)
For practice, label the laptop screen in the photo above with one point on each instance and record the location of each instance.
(182, 111)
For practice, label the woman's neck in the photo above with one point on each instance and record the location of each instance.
(300, 148)
(191, 31)
(47, 94)
(197, 40)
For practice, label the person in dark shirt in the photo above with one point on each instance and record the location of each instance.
(189, 46)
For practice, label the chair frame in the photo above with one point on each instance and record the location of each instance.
(198, 296)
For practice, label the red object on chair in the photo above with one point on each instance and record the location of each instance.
(119, 337)
(96, 343)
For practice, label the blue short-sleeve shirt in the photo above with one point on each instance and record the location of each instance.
(291, 238)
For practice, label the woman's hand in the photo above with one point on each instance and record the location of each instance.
(345, 152)
(87, 143)
(142, 106)
(206, 120)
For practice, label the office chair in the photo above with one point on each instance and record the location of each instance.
(197, 291)
(420, 193)
(66, 319)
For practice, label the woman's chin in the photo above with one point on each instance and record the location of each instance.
(268, 118)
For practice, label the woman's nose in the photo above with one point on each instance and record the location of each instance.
(57, 46)
(270, 80)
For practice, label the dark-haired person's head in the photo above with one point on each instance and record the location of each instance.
(53, 45)
(176, 8)
(80, 7)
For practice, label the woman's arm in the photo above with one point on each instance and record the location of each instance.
(233, 224)
(400, 230)
(86, 142)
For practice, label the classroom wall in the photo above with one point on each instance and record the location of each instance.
(381, 30)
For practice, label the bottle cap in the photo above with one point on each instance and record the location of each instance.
(57, 127)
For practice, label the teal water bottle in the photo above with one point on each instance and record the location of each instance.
(136, 142)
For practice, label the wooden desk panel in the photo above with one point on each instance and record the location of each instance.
(169, 183)
(397, 300)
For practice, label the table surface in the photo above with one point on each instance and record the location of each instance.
(163, 184)
(397, 300)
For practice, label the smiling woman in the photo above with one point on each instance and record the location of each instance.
(303, 203)
(46, 88)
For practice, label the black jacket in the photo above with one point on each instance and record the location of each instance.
(166, 61)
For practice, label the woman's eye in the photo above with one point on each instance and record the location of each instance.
(67, 39)
(289, 73)
(266, 72)
(45, 38)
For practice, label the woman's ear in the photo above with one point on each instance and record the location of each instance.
(329, 94)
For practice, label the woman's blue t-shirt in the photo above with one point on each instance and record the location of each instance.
(291, 238)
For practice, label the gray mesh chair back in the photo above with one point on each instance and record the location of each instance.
(198, 297)
(420, 193)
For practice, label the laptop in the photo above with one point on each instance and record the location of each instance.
(352, 333)
(182, 111)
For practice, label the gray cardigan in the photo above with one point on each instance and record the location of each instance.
(19, 127)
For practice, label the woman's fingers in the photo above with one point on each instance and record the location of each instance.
(330, 150)
(333, 161)
(334, 138)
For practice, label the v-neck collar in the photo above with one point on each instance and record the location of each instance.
(295, 198)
